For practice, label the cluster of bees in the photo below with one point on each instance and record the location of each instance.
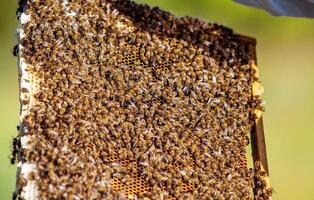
(172, 95)
(261, 187)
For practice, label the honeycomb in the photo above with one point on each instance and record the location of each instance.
(133, 103)
(138, 185)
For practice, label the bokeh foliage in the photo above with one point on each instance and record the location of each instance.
(286, 60)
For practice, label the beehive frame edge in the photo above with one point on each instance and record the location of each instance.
(257, 134)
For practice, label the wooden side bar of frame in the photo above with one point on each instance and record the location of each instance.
(257, 134)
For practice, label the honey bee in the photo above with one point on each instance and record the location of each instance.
(15, 195)
(15, 50)
(16, 145)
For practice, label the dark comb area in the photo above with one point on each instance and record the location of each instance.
(134, 103)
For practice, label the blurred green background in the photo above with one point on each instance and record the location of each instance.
(286, 60)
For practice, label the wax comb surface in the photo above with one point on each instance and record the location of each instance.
(123, 101)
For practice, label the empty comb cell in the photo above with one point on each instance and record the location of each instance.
(123, 101)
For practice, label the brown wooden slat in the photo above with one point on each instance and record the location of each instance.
(257, 134)
(258, 144)
(248, 41)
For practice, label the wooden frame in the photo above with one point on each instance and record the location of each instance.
(257, 134)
